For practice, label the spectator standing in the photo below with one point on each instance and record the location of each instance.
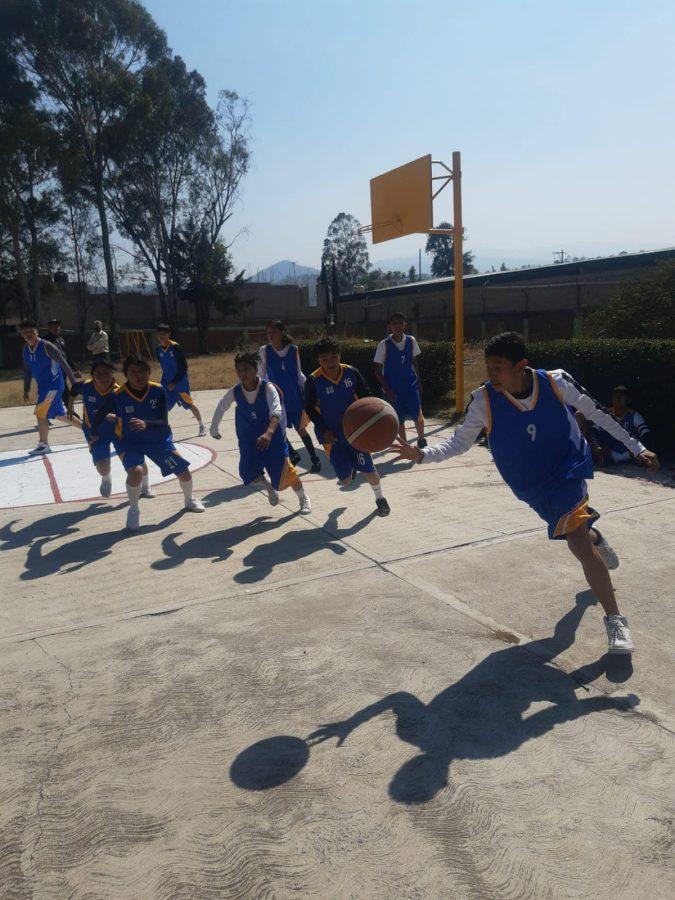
(97, 345)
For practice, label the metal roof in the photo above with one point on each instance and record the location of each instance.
(581, 267)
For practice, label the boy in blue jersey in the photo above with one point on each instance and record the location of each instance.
(543, 457)
(175, 374)
(329, 391)
(397, 371)
(280, 364)
(140, 410)
(94, 394)
(260, 423)
(44, 362)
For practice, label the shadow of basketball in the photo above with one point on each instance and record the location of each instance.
(269, 763)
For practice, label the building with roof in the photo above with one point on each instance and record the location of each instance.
(542, 302)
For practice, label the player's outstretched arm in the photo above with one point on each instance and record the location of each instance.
(461, 441)
(224, 404)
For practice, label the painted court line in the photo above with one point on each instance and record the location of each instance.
(53, 483)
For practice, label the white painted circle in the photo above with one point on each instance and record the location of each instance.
(67, 473)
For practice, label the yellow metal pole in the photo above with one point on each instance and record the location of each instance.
(459, 279)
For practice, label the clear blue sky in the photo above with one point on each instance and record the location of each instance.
(563, 113)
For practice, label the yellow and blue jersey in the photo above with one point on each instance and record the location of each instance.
(151, 407)
(92, 401)
(539, 448)
(327, 400)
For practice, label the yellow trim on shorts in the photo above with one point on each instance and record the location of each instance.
(289, 475)
(42, 409)
(186, 398)
(574, 519)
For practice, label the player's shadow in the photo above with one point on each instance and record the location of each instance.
(294, 546)
(58, 525)
(75, 555)
(216, 545)
(483, 715)
(223, 495)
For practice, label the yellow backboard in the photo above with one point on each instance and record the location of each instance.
(401, 201)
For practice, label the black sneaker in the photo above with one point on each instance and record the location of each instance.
(354, 474)
(295, 457)
(421, 443)
(316, 465)
(382, 507)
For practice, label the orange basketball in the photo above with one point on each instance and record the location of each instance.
(370, 424)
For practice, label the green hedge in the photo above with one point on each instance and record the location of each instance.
(647, 367)
(436, 364)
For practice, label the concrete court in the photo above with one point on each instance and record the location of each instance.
(157, 691)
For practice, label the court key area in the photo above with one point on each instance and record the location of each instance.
(247, 703)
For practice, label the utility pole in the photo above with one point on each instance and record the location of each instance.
(561, 254)
(419, 268)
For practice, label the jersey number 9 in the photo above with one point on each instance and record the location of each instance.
(532, 431)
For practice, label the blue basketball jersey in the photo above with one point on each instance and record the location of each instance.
(536, 448)
(45, 370)
(253, 419)
(334, 397)
(151, 406)
(92, 401)
(284, 373)
(399, 371)
(169, 363)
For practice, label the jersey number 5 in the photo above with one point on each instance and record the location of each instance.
(532, 431)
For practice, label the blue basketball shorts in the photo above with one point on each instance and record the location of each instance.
(49, 403)
(180, 395)
(564, 507)
(164, 456)
(103, 448)
(344, 459)
(408, 405)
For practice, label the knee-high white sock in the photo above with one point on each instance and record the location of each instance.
(377, 490)
(300, 491)
(145, 483)
(134, 495)
(187, 489)
(106, 479)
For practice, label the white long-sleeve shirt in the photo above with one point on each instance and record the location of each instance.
(226, 401)
(477, 418)
(262, 365)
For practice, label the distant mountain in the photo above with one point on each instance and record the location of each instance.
(285, 272)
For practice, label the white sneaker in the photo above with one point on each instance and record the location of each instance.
(40, 450)
(194, 505)
(305, 506)
(202, 430)
(133, 518)
(148, 493)
(606, 553)
(106, 487)
(618, 635)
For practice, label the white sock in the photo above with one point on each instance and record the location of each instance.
(134, 495)
(105, 479)
(377, 490)
(187, 489)
(145, 483)
(301, 493)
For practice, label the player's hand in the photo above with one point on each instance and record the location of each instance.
(329, 438)
(78, 375)
(407, 451)
(215, 434)
(339, 730)
(111, 417)
(137, 425)
(171, 386)
(263, 441)
(649, 459)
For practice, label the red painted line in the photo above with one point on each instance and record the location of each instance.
(52, 480)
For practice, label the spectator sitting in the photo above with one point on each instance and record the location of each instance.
(605, 448)
(97, 345)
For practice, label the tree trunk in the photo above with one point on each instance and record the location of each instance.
(113, 331)
(20, 272)
(36, 291)
(162, 296)
(203, 317)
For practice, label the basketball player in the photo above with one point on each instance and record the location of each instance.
(260, 423)
(175, 374)
(280, 364)
(44, 362)
(540, 453)
(397, 371)
(141, 409)
(94, 392)
(329, 390)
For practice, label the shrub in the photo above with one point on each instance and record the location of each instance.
(645, 366)
(436, 364)
(644, 308)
